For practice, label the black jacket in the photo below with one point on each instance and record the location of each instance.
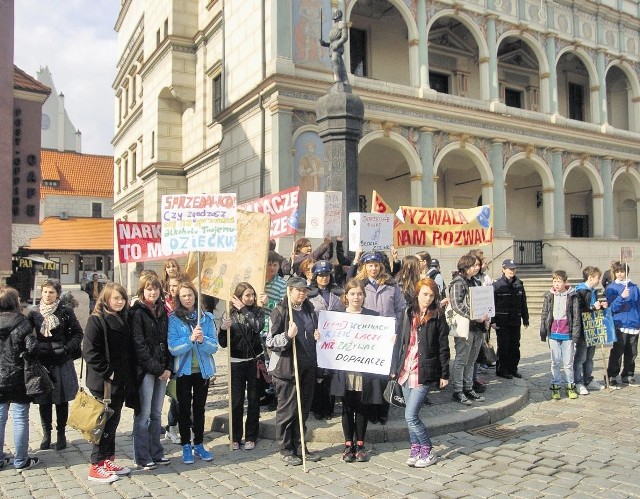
(511, 302)
(121, 361)
(150, 340)
(66, 338)
(433, 348)
(246, 325)
(17, 337)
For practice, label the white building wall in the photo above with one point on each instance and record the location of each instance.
(74, 206)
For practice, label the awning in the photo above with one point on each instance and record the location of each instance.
(39, 259)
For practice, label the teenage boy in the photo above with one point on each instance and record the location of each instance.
(583, 358)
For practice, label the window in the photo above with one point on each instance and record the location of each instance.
(439, 82)
(576, 101)
(217, 95)
(153, 144)
(513, 98)
(96, 210)
(358, 46)
(134, 171)
(166, 28)
(158, 38)
(579, 225)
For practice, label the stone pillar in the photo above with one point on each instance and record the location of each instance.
(558, 196)
(499, 198)
(605, 173)
(551, 106)
(493, 59)
(339, 116)
(602, 87)
(423, 41)
(426, 157)
(281, 159)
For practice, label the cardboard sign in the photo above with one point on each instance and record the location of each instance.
(355, 342)
(141, 242)
(283, 209)
(222, 271)
(324, 214)
(626, 254)
(199, 222)
(371, 231)
(598, 327)
(482, 301)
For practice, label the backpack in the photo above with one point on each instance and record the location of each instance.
(432, 275)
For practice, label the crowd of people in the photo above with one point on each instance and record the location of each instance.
(161, 343)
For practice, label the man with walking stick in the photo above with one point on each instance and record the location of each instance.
(292, 340)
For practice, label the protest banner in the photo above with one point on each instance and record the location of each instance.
(325, 219)
(283, 209)
(371, 231)
(598, 327)
(141, 242)
(627, 254)
(482, 302)
(355, 342)
(222, 271)
(199, 222)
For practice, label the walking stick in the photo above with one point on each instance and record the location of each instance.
(228, 307)
(297, 378)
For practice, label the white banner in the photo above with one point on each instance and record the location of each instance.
(324, 214)
(355, 342)
(371, 231)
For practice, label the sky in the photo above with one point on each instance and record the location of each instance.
(76, 40)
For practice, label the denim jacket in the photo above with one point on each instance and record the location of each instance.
(182, 348)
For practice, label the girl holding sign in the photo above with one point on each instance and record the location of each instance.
(359, 391)
(421, 359)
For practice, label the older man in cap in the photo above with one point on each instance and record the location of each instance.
(511, 312)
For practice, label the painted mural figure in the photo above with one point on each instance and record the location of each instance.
(311, 171)
(337, 38)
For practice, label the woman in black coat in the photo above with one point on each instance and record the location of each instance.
(111, 362)
(420, 359)
(59, 340)
(246, 322)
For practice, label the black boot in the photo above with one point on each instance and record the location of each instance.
(62, 440)
(46, 438)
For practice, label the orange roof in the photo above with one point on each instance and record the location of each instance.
(74, 234)
(22, 81)
(77, 174)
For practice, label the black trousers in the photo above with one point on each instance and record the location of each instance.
(627, 346)
(323, 402)
(191, 390)
(354, 418)
(508, 349)
(46, 416)
(287, 423)
(106, 449)
(243, 377)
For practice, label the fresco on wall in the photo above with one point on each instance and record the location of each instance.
(306, 21)
(309, 172)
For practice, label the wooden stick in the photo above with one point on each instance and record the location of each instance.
(297, 377)
(228, 308)
(199, 289)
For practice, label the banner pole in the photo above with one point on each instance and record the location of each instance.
(199, 288)
(604, 363)
(297, 378)
(228, 308)
(120, 273)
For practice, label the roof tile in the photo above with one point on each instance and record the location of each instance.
(22, 81)
(78, 174)
(74, 234)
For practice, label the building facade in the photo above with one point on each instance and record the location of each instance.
(532, 106)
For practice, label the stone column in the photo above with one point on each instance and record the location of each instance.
(426, 157)
(551, 106)
(605, 174)
(499, 198)
(558, 196)
(602, 87)
(339, 116)
(423, 42)
(493, 59)
(281, 159)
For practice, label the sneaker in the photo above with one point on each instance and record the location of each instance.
(471, 394)
(187, 454)
(348, 456)
(249, 445)
(163, 461)
(582, 390)
(625, 379)
(202, 453)
(479, 388)
(555, 392)
(633, 381)
(361, 455)
(427, 457)
(571, 391)
(4, 462)
(594, 385)
(516, 375)
(146, 466)
(98, 474)
(115, 469)
(172, 435)
(461, 397)
(236, 446)
(291, 460)
(414, 454)
(613, 384)
(31, 462)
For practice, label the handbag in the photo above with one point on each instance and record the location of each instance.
(458, 325)
(89, 414)
(261, 371)
(488, 351)
(37, 380)
(393, 394)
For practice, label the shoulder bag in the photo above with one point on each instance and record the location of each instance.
(89, 414)
(458, 325)
(37, 380)
(393, 394)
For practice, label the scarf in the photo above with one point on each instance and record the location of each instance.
(50, 320)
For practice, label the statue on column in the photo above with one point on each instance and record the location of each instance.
(338, 36)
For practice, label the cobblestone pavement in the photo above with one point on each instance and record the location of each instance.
(581, 448)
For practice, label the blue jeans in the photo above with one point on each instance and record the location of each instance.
(561, 357)
(20, 431)
(414, 400)
(583, 362)
(147, 422)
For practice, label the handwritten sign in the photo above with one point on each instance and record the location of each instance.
(205, 222)
(141, 242)
(482, 302)
(598, 327)
(626, 254)
(355, 342)
(283, 209)
(371, 231)
(324, 214)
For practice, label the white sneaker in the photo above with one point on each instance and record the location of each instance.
(426, 459)
(172, 434)
(582, 390)
(594, 385)
(633, 381)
